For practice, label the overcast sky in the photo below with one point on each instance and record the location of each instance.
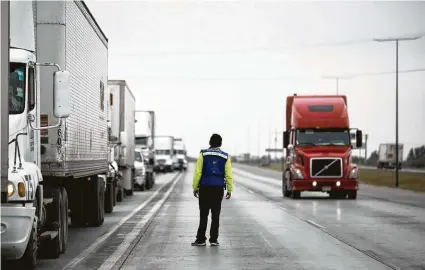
(227, 67)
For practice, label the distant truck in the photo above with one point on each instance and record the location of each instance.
(164, 150)
(387, 156)
(145, 132)
(318, 147)
(58, 145)
(140, 170)
(123, 104)
(180, 152)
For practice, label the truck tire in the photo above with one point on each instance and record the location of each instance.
(114, 194)
(296, 194)
(120, 195)
(352, 195)
(65, 220)
(285, 191)
(109, 198)
(97, 198)
(29, 259)
(53, 248)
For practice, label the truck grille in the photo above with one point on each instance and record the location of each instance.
(161, 161)
(326, 167)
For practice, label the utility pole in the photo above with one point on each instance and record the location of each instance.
(365, 148)
(275, 144)
(337, 78)
(397, 40)
(4, 96)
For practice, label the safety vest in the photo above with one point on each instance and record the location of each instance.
(213, 167)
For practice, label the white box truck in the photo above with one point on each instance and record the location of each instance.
(57, 127)
(387, 156)
(145, 132)
(164, 150)
(123, 104)
(180, 151)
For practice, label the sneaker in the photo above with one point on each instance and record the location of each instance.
(198, 243)
(214, 243)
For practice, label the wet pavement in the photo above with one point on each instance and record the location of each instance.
(259, 230)
(254, 234)
(390, 230)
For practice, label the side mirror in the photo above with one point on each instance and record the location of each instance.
(61, 108)
(359, 138)
(285, 139)
(123, 139)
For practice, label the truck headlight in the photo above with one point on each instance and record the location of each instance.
(10, 189)
(354, 173)
(298, 174)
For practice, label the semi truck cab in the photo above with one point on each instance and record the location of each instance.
(319, 143)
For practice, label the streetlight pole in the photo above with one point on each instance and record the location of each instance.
(397, 40)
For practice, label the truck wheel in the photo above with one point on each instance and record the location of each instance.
(296, 194)
(120, 195)
(285, 191)
(64, 218)
(53, 248)
(109, 198)
(97, 207)
(29, 259)
(114, 196)
(352, 195)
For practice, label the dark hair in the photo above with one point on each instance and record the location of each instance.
(215, 140)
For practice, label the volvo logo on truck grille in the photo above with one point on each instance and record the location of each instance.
(326, 167)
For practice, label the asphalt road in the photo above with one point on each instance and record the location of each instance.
(259, 230)
(387, 224)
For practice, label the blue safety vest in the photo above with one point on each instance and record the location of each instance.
(213, 167)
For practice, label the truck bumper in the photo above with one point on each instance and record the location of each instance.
(325, 185)
(16, 227)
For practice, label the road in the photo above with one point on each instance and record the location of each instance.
(259, 230)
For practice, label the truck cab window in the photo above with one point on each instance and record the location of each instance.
(17, 88)
(31, 89)
(307, 137)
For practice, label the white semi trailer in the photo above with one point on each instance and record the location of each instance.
(123, 104)
(180, 152)
(387, 156)
(57, 127)
(164, 151)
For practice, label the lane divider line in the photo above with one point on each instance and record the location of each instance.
(315, 224)
(130, 237)
(89, 250)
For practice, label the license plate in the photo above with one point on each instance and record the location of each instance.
(326, 188)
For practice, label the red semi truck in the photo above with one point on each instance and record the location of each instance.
(318, 142)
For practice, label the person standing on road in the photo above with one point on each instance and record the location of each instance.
(213, 174)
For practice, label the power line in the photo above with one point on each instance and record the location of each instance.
(277, 77)
(265, 49)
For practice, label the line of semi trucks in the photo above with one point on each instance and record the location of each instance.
(77, 145)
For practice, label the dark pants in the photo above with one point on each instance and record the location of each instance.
(209, 198)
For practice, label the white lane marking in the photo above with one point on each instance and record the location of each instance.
(102, 238)
(250, 191)
(112, 260)
(266, 240)
(315, 224)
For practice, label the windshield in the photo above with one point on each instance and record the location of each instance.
(138, 156)
(322, 137)
(17, 88)
(141, 140)
(163, 152)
